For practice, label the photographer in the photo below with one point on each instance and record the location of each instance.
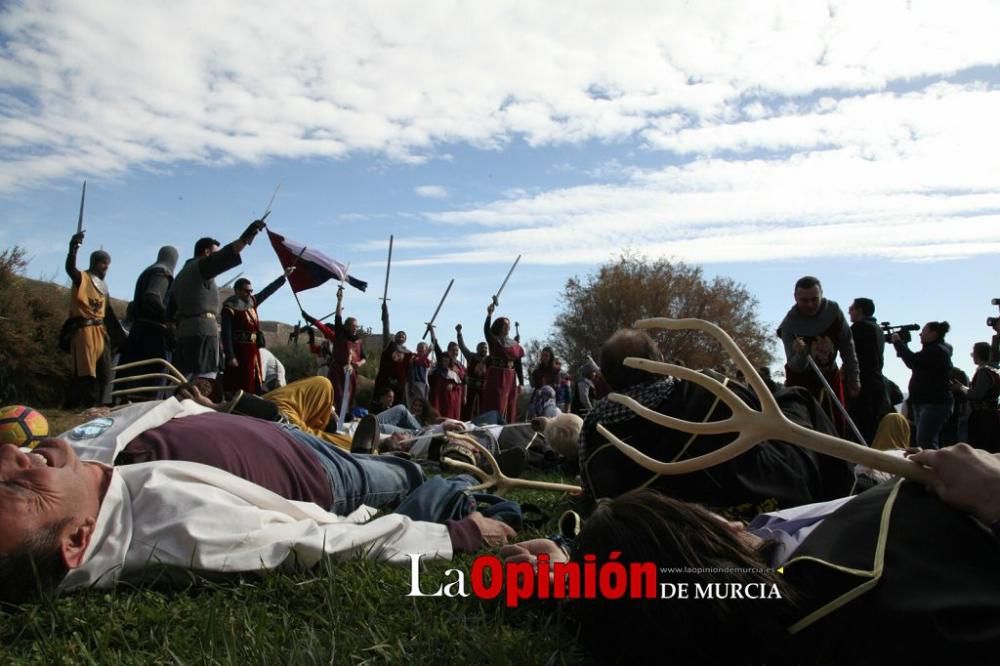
(930, 383)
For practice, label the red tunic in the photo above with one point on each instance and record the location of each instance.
(245, 327)
(501, 391)
(393, 372)
(345, 352)
(446, 384)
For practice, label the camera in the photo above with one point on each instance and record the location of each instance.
(902, 330)
(992, 321)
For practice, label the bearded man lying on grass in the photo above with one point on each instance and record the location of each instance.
(176, 484)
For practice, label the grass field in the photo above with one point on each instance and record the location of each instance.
(354, 612)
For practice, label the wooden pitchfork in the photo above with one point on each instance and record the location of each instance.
(496, 478)
(170, 373)
(753, 427)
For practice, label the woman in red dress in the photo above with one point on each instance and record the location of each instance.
(446, 380)
(501, 391)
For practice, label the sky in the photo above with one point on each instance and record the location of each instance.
(763, 141)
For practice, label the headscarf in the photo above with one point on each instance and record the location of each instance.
(893, 433)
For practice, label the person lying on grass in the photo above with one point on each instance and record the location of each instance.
(176, 484)
(894, 575)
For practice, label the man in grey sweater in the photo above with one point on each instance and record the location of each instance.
(816, 327)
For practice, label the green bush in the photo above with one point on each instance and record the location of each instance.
(299, 362)
(32, 369)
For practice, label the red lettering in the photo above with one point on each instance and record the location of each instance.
(480, 587)
(520, 582)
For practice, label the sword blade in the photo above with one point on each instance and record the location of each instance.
(438, 309)
(388, 265)
(267, 211)
(496, 296)
(83, 197)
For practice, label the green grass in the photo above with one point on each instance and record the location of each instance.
(353, 612)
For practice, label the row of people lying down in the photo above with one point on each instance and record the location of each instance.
(899, 574)
(259, 509)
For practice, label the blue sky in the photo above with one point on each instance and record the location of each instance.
(762, 141)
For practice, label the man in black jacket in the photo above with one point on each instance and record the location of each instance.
(872, 403)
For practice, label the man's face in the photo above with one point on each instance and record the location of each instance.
(807, 300)
(245, 291)
(453, 351)
(482, 349)
(100, 267)
(39, 489)
(351, 325)
(210, 250)
(855, 314)
(388, 398)
(422, 348)
(400, 338)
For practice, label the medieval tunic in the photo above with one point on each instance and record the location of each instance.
(475, 382)
(393, 365)
(88, 302)
(240, 339)
(347, 352)
(826, 333)
(501, 390)
(147, 339)
(195, 297)
(446, 385)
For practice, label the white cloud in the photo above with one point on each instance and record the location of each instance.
(101, 88)
(431, 192)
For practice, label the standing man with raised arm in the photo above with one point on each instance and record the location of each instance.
(88, 309)
(195, 299)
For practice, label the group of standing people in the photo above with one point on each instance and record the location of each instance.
(815, 331)
(172, 317)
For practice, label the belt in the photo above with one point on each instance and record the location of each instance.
(501, 364)
(200, 315)
(243, 336)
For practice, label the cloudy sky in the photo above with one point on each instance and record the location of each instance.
(852, 140)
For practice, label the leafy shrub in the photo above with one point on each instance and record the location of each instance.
(32, 369)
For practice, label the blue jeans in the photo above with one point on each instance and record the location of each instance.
(397, 419)
(355, 479)
(930, 418)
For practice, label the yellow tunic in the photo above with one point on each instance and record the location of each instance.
(89, 340)
(308, 404)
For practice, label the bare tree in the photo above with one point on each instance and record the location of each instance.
(633, 287)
